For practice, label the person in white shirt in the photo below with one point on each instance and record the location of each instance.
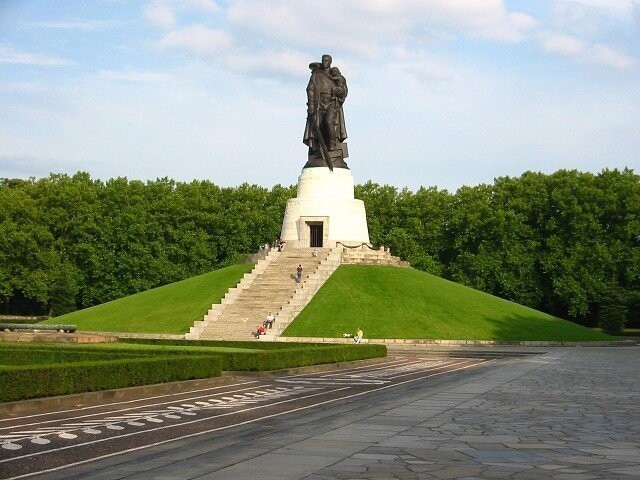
(270, 319)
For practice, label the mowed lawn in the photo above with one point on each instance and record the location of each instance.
(390, 302)
(168, 309)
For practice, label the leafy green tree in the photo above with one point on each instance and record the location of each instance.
(554, 242)
(68, 206)
(381, 210)
(583, 251)
(429, 218)
(633, 310)
(27, 255)
(63, 290)
(613, 310)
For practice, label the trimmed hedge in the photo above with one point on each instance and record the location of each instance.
(39, 354)
(276, 356)
(250, 345)
(37, 370)
(63, 379)
(298, 357)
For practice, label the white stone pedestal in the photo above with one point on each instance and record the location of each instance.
(324, 211)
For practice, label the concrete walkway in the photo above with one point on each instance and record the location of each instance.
(569, 414)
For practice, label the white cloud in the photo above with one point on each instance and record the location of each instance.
(134, 76)
(160, 14)
(421, 66)
(9, 55)
(164, 13)
(203, 5)
(576, 18)
(523, 21)
(604, 55)
(612, 7)
(198, 39)
(512, 27)
(584, 51)
(24, 166)
(562, 44)
(86, 25)
(289, 63)
(363, 26)
(636, 16)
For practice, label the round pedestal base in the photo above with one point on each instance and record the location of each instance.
(324, 211)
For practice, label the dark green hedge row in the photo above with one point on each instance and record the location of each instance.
(299, 357)
(42, 355)
(67, 378)
(276, 355)
(32, 371)
(253, 345)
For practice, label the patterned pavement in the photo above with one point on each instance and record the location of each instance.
(567, 414)
(573, 414)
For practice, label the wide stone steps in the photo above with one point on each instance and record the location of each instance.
(258, 294)
(271, 287)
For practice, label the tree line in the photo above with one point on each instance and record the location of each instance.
(566, 243)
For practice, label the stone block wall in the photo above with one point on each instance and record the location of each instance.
(366, 255)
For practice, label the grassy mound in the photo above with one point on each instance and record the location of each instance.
(168, 309)
(386, 302)
(389, 302)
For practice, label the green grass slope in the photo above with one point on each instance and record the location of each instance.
(390, 302)
(168, 309)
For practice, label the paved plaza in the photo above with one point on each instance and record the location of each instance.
(571, 414)
(567, 414)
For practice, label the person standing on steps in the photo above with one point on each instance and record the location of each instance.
(299, 273)
(270, 319)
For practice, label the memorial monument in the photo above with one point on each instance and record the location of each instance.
(325, 211)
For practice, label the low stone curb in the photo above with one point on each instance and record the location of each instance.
(411, 342)
(150, 336)
(55, 337)
(94, 337)
(457, 343)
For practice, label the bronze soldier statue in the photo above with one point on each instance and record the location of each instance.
(325, 130)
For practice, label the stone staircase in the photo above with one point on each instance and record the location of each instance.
(271, 287)
(330, 261)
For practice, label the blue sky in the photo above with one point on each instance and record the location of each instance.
(441, 92)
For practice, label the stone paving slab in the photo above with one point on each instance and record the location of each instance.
(568, 414)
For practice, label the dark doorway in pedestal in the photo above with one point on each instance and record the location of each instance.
(315, 230)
